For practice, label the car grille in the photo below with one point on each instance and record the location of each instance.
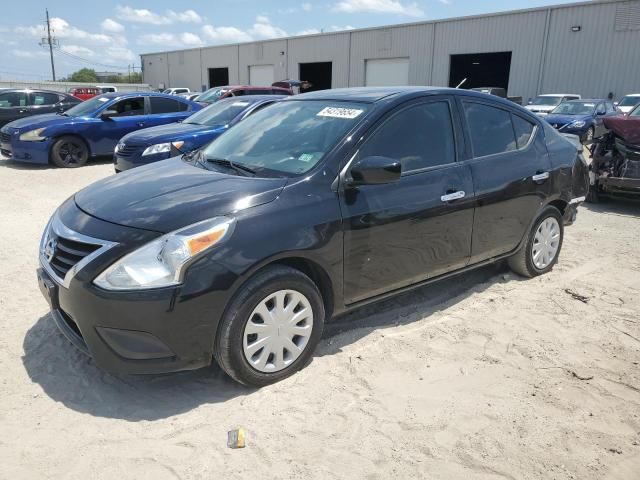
(126, 150)
(5, 137)
(67, 253)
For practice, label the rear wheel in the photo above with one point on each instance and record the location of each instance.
(69, 152)
(542, 246)
(271, 328)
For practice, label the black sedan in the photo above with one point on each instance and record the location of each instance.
(21, 103)
(314, 206)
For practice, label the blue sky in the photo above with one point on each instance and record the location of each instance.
(104, 35)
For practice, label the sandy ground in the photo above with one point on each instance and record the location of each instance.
(484, 376)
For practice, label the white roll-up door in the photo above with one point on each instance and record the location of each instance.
(261, 75)
(385, 72)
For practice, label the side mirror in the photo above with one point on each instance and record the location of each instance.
(375, 171)
(601, 112)
(108, 114)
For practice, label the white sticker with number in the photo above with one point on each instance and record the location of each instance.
(339, 112)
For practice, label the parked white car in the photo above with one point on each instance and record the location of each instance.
(107, 88)
(176, 91)
(626, 103)
(543, 104)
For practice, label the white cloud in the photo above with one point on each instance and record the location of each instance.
(445, 2)
(307, 7)
(78, 50)
(309, 31)
(263, 28)
(111, 26)
(142, 15)
(379, 6)
(225, 34)
(65, 31)
(166, 39)
(120, 55)
(28, 53)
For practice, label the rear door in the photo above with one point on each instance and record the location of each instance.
(13, 106)
(401, 233)
(43, 102)
(164, 110)
(511, 175)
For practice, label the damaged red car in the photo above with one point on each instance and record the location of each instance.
(615, 166)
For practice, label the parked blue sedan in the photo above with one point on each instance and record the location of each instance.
(159, 143)
(582, 117)
(91, 128)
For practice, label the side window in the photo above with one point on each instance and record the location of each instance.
(129, 107)
(524, 130)
(490, 129)
(166, 105)
(610, 107)
(420, 136)
(13, 99)
(600, 110)
(44, 98)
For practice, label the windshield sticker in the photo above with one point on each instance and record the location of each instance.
(338, 112)
(589, 104)
(102, 99)
(306, 157)
(240, 104)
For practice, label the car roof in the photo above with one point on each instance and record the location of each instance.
(632, 95)
(4, 90)
(375, 94)
(252, 98)
(559, 95)
(588, 100)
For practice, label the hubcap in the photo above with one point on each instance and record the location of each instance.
(70, 153)
(277, 331)
(546, 243)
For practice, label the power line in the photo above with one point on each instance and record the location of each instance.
(91, 62)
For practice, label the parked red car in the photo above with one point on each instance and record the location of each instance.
(85, 93)
(214, 94)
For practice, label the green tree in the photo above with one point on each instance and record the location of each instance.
(83, 75)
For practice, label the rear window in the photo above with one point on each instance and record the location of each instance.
(490, 129)
(167, 105)
(44, 98)
(524, 130)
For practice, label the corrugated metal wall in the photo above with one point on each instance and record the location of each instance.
(547, 56)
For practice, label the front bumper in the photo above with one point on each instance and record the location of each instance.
(135, 332)
(27, 152)
(121, 163)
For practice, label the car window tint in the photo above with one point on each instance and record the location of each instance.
(490, 129)
(44, 98)
(13, 99)
(166, 105)
(129, 107)
(420, 136)
(523, 128)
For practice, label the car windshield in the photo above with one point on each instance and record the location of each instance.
(546, 101)
(635, 112)
(212, 95)
(220, 113)
(575, 108)
(629, 101)
(87, 107)
(288, 138)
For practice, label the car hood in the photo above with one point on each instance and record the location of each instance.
(170, 132)
(562, 119)
(172, 194)
(540, 108)
(627, 128)
(40, 121)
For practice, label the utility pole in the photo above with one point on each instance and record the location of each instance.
(50, 42)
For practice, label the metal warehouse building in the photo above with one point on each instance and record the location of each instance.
(590, 48)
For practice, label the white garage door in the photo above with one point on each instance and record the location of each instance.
(386, 72)
(261, 75)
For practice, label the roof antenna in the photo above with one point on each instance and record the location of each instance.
(461, 83)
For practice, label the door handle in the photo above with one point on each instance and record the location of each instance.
(539, 177)
(141, 124)
(453, 196)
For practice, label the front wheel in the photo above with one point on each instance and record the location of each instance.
(69, 152)
(542, 246)
(271, 328)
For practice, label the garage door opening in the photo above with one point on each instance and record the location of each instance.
(318, 74)
(218, 77)
(386, 72)
(480, 70)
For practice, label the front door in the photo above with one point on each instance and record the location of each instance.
(511, 174)
(401, 233)
(130, 117)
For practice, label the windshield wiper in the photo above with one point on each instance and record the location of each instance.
(238, 167)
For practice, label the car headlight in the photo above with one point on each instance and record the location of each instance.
(33, 135)
(578, 123)
(161, 148)
(161, 263)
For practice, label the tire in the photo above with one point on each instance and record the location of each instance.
(69, 152)
(234, 345)
(588, 137)
(523, 262)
